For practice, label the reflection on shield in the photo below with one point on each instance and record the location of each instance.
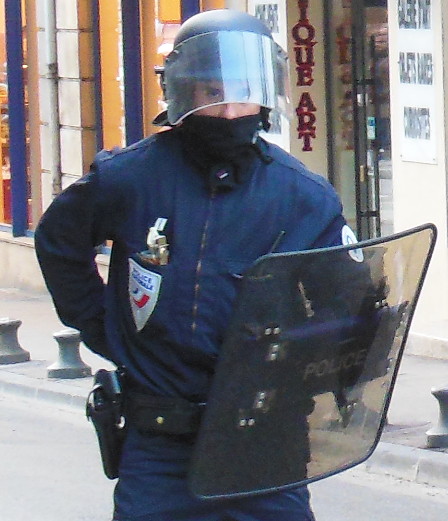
(307, 369)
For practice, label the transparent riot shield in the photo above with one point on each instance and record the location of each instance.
(307, 370)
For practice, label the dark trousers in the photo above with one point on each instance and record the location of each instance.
(153, 487)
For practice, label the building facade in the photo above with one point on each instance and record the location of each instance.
(367, 87)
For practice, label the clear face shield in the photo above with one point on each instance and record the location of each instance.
(226, 67)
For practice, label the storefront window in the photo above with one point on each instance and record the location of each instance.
(111, 73)
(359, 108)
(5, 185)
(14, 106)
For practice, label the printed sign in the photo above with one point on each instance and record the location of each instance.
(417, 78)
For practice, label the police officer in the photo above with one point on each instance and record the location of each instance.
(188, 210)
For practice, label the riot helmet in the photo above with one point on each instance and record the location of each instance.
(224, 56)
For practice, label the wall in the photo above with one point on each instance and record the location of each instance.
(19, 264)
(419, 183)
(316, 159)
(75, 92)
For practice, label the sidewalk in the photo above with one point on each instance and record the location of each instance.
(401, 451)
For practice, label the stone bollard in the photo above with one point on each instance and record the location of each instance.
(437, 437)
(10, 350)
(69, 364)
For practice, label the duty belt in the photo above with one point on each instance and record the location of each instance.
(160, 414)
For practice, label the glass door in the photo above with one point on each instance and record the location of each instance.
(358, 100)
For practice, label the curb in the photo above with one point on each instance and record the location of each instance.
(56, 392)
(423, 466)
(428, 344)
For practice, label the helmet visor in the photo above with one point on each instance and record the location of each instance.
(226, 67)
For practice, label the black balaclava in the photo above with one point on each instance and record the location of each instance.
(223, 149)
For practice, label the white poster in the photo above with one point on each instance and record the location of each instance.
(417, 90)
(273, 14)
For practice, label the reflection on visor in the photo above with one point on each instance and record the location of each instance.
(226, 67)
(211, 92)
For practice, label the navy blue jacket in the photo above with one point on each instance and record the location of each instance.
(213, 236)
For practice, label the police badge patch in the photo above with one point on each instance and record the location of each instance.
(144, 287)
(349, 237)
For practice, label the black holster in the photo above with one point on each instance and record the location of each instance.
(104, 408)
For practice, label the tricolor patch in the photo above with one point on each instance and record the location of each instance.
(144, 287)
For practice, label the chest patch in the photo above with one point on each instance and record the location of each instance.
(144, 287)
(349, 237)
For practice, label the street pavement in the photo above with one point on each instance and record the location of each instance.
(402, 451)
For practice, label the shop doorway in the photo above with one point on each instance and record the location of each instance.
(359, 113)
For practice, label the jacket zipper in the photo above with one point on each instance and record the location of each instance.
(199, 263)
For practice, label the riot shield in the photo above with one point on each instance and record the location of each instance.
(308, 366)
